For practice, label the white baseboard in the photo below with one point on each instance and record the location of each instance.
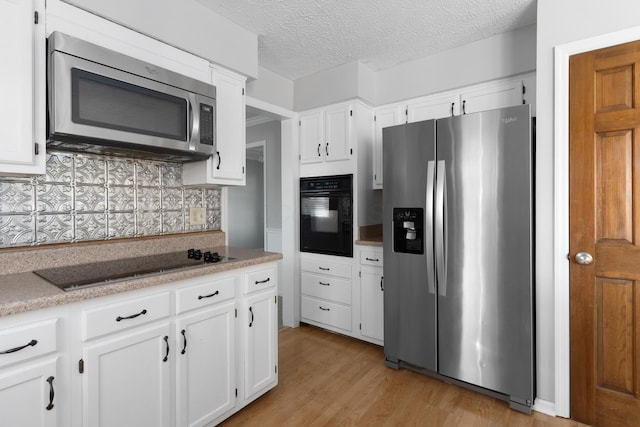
(545, 407)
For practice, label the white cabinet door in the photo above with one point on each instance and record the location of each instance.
(22, 110)
(337, 134)
(227, 165)
(492, 96)
(384, 117)
(325, 136)
(229, 161)
(127, 381)
(205, 381)
(371, 303)
(28, 395)
(311, 138)
(433, 107)
(260, 329)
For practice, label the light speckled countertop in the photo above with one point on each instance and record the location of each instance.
(23, 291)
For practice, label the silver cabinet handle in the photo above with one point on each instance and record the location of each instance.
(584, 258)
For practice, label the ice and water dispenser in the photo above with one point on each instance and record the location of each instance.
(408, 230)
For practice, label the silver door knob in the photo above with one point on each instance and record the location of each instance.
(584, 258)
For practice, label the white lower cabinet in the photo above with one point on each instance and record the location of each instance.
(27, 395)
(127, 379)
(327, 292)
(260, 364)
(205, 365)
(371, 294)
(259, 325)
(33, 388)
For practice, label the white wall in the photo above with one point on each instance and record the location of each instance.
(489, 59)
(271, 133)
(246, 208)
(272, 88)
(185, 24)
(560, 23)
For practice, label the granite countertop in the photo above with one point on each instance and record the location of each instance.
(369, 242)
(24, 291)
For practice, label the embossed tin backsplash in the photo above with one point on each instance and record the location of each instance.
(89, 197)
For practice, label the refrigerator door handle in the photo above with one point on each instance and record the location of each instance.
(440, 210)
(428, 226)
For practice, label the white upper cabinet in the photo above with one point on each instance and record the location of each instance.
(482, 97)
(22, 111)
(227, 165)
(492, 96)
(433, 107)
(325, 135)
(383, 118)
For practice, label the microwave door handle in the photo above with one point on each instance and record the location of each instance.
(193, 131)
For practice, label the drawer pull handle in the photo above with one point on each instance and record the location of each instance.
(251, 311)
(184, 337)
(166, 341)
(325, 284)
(52, 393)
(208, 296)
(324, 309)
(258, 282)
(13, 350)
(324, 268)
(372, 259)
(133, 316)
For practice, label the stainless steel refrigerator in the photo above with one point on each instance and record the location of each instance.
(458, 251)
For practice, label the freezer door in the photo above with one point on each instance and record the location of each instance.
(485, 294)
(409, 277)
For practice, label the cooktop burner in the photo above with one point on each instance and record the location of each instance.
(103, 272)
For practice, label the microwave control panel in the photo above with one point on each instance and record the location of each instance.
(206, 124)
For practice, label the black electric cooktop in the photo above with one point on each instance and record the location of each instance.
(103, 272)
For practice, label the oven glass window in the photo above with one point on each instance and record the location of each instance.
(326, 216)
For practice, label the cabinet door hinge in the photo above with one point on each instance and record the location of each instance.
(375, 118)
(36, 148)
(236, 313)
(360, 326)
(275, 299)
(299, 156)
(375, 176)
(36, 17)
(524, 89)
(81, 366)
(351, 113)
(243, 170)
(350, 150)
(359, 273)
(243, 91)
(276, 369)
(236, 392)
(299, 122)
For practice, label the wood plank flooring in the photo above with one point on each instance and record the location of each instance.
(327, 379)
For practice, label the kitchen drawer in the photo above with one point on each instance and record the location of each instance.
(326, 287)
(25, 342)
(328, 313)
(328, 268)
(119, 316)
(260, 279)
(371, 258)
(205, 294)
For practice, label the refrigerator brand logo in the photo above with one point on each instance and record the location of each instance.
(507, 120)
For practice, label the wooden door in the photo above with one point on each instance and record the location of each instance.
(605, 222)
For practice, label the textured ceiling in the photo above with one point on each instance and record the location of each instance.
(297, 38)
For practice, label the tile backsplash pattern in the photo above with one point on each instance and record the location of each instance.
(89, 197)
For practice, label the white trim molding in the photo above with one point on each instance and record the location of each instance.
(544, 407)
(561, 204)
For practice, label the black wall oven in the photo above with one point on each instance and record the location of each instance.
(326, 215)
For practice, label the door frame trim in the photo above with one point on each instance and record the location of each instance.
(561, 203)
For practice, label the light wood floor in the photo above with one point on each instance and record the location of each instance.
(331, 380)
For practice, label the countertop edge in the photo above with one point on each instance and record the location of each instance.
(52, 296)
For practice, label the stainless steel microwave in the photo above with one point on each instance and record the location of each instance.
(104, 102)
